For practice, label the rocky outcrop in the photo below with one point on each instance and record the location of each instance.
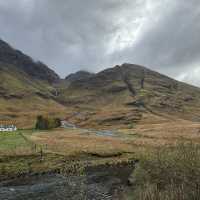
(80, 75)
(23, 62)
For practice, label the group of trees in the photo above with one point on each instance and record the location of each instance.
(46, 123)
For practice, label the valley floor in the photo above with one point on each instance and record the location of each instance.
(71, 152)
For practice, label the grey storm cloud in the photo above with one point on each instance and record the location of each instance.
(70, 35)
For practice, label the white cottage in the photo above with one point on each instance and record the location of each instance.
(7, 128)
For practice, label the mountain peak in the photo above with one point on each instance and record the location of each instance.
(82, 74)
(36, 70)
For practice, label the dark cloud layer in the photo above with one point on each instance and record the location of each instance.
(70, 35)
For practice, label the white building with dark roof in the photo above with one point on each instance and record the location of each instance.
(7, 126)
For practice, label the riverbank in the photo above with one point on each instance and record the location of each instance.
(63, 165)
(105, 181)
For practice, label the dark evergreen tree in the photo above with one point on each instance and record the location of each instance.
(43, 123)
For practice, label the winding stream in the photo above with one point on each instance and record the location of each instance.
(106, 133)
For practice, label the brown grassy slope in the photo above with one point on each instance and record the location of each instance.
(22, 98)
(116, 97)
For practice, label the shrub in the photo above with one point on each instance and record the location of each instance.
(169, 174)
(43, 123)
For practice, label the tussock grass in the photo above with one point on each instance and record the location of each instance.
(169, 174)
(35, 152)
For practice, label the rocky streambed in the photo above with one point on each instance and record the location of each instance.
(97, 183)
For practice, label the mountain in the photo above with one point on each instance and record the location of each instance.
(118, 97)
(79, 76)
(26, 87)
(36, 70)
(128, 94)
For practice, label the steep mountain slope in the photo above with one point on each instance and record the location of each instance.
(36, 70)
(114, 98)
(78, 76)
(128, 94)
(26, 87)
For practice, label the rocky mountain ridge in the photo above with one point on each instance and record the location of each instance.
(128, 93)
(121, 96)
(36, 70)
(80, 75)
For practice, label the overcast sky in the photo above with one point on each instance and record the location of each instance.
(70, 35)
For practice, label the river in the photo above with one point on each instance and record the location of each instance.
(97, 183)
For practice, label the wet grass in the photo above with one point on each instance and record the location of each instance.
(10, 141)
